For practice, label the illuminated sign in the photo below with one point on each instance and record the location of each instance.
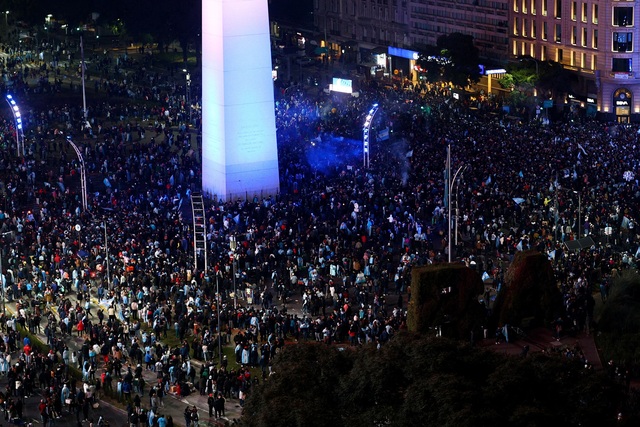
(402, 53)
(342, 85)
(591, 100)
(239, 146)
(622, 103)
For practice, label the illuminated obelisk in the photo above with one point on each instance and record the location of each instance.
(239, 148)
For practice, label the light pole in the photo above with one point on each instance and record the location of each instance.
(450, 182)
(3, 283)
(84, 94)
(48, 21)
(83, 177)
(579, 211)
(106, 252)
(6, 21)
(218, 308)
(464, 167)
(188, 91)
(537, 62)
(233, 245)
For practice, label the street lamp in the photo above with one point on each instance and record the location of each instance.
(6, 21)
(556, 213)
(188, 91)
(106, 253)
(450, 182)
(233, 245)
(579, 211)
(3, 283)
(218, 309)
(537, 62)
(83, 176)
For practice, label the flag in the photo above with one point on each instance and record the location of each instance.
(519, 247)
(488, 181)
(106, 303)
(552, 255)
(582, 148)
(485, 276)
(520, 174)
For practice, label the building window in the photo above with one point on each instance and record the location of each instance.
(544, 7)
(622, 16)
(545, 30)
(594, 61)
(534, 33)
(515, 5)
(524, 6)
(558, 33)
(622, 42)
(525, 23)
(558, 12)
(533, 7)
(583, 60)
(574, 10)
(584, 12)
(621, 65)
(574, 35)
(594, 14)
(559, 55)
(543, 53)
(584, 37)
(516, 25)
(594, 39)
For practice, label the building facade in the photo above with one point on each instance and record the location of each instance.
(485, 20)
(596, 39)
(362, 30)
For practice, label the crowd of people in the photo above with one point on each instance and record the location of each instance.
(340, 238)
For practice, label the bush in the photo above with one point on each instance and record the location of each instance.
(445, 296)
(530, 291)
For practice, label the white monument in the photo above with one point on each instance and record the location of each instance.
(239, 147)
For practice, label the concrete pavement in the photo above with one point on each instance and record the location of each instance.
(114, 411)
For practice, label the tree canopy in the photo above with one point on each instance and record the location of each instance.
(435, 381)
(445, 296)
(456, 59)
(619, 320)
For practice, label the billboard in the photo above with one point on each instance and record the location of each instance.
(342, 85)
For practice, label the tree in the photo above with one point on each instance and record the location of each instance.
(414, 379)
(445, 296)
(455, 59)
(620, 320)
(554, 79)
(530, 291)
(302, 391)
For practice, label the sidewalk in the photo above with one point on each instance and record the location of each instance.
(173, 405)
(542, 339)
